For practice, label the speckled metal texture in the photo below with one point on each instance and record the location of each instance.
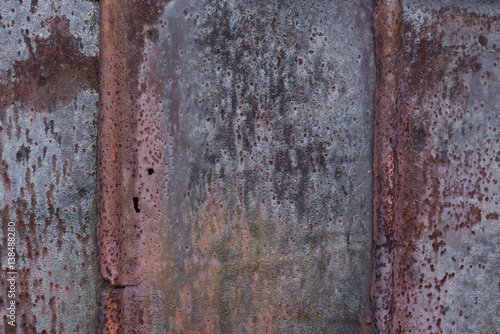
(48, 108)
(236, 165)
(247, 202)
(445, 231)
(235, 150)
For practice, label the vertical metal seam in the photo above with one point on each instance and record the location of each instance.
(119, 226)
(107, 224)
(387, 20)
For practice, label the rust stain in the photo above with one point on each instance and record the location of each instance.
(233, 274)
(438, 197)
(110, 313)
(51, 78)
(416, 179)
(387, 21)
(53, 74)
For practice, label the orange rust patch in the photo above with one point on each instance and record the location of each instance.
(110, 312)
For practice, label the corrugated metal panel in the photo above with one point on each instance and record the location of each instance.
(48, 106)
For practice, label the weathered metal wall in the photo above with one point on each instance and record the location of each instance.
(236, 165)
(443, 234)
(48, 107)
(234, 169)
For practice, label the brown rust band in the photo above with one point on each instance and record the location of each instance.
(114, 161)
(107, 149)
(387, 20)
(110, 313)
(122, 43)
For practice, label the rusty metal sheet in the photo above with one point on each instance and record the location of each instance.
(48, 108)
(235, 165)
(444, 234)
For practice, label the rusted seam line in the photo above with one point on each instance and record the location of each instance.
(107, 155)
(121, 52)
(107, 139)
(387, 20)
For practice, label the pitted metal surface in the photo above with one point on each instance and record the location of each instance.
(228, 172)
(446, 267)
(439, 273)
(48, 107)
(251, 197)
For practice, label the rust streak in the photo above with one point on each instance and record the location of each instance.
(122, 43)
(387, 20)
(110, 314)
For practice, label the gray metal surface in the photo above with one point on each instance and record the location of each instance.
(447, 255)
(253, 183)
(48, 107)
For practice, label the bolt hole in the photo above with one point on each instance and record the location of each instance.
(136, 204)
(151, 171)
